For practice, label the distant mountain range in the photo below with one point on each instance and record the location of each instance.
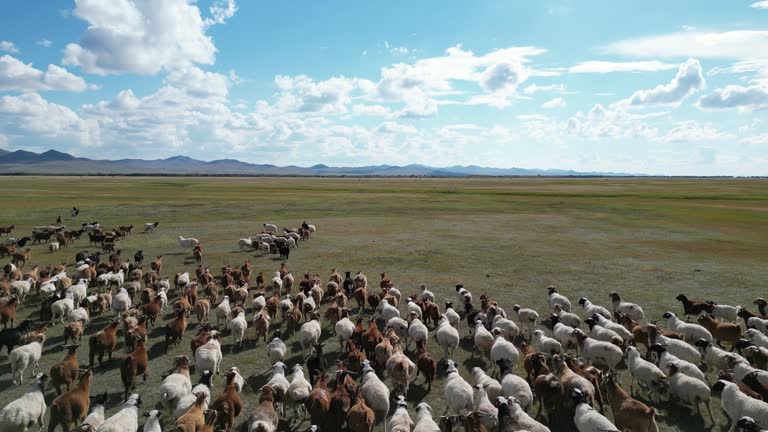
(54, 162)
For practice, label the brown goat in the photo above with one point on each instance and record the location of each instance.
(103, 342)
(370, 339)
(228, 405)
(71, 407)
(721, 332)
(65, 372)
(8, 311)
(202, 309)
(628, 413)
(194, 419)
(318, 403)
(693, 307)
(425, 364)
(361, 417)
(134, 364)
(174, 330)
(19, 259)
(264, 415)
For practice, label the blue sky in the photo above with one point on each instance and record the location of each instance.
(659, 87)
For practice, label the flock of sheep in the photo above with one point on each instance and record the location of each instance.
(565, 368)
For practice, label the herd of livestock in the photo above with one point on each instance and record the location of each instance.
(574, 366)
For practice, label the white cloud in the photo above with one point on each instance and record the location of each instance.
(199, 83)
(221, 11)
(302, 94)
(555, 103)
(8, 47)
(44, 43)
(371, 110)
(533, 88)
(691, 131)
(18, 76)
(396, 128)
(738, 44)
(687, 80)
(609, 66)
(760, 5)
(752, 97)
(760, 139)
(143, 36)
(30, 115)
(601, 123)
(503, 76)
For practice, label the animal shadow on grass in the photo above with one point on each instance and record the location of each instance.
(681, 416)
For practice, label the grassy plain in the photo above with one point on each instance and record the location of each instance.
(649, 239)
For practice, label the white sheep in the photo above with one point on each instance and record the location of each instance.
(557, 299)
(599, 353)
(714, 356)
(545, 344)
(493, 388)
(21, 288)
(223, 310)
(564, 334)
(507, 326)
(182, 280)
(753, 322)
(150, 227)
(516, 412)
(586, 418)
(279, 384)
(527, 318)
(417, 332)
(375, 392)
(53, 246)
(741, 368)
(613, 326)
(209, 355)
(188, 242)
(276, 350)
(399, 325)
(665, 358)
(277, 283)
(125, 420)
(270, 228)
(60, 309)
(568, 318)
(489, 414)
(121, 302)
(737, 404)
(153, 422)
(458, 392)
(725, 312)
(692, 332)
(79, 291)
(678, 348)
(258, 303)
(647, 374)
(22, 357)
(238, 379)
(451, 314)
(387, 311)
(264, 248)
(400, 420)
(298, 389)
(447, 337)
(22, 413)
(424, 421)
(632, 310)
(483, 339)
(79, 314)
(757, 338)
(689, 389)
(463, 295)
(503, 349)
(518, 388)
(344, 329)
(591, 309)
(426, 294)
(309, 334)
(413, 308)
(47, 289)
(95, 417)
(238, 326)
(190, 398)
(245, 244)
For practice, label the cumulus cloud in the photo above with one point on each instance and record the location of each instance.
(691, 131)
(8, 47)
(688, 80)
(554, 103)
(760, 5)
(44, 43)
(18, 76)
(760, 139)
(503, 76)
(199, 83)
(608, 67)
(751, 97)
(29, 114)
(396, 128)
(604, 122)
(303, 94)
(143, 36)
